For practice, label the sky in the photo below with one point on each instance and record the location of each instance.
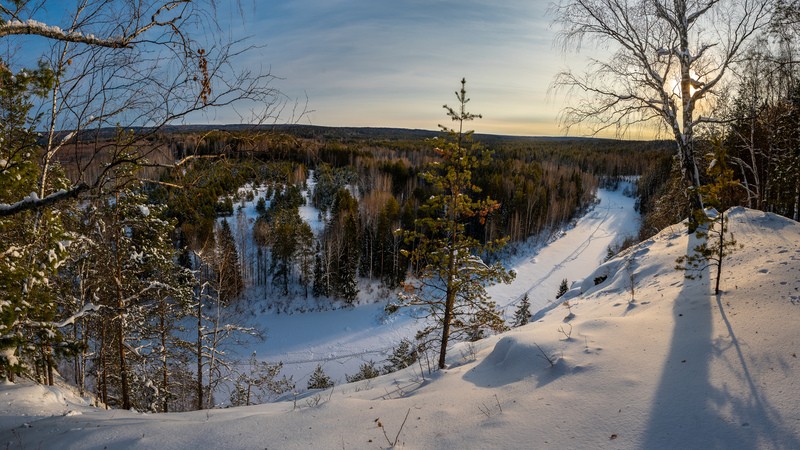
(394, 64)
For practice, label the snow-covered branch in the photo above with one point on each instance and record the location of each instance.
(36, 28)
(32, 201)
(86, 310)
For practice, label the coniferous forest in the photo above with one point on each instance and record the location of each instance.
(137, 287)
(131, 257)
(136, 290)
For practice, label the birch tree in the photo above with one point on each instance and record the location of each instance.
(668, 59)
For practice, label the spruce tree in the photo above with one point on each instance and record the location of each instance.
(319, 379)
(562, 288)
(226, 264)
(343, 246)
(451, 277)
(523, 313)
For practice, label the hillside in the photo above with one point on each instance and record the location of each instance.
(675, 368)
(342, 340)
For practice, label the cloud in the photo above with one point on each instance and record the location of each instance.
(395, 63)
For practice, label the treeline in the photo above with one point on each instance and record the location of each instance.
(366, 190)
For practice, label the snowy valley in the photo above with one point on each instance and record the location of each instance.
(644, 359)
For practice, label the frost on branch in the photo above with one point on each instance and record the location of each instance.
(36, 28)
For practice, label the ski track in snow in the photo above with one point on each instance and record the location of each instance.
(341, 340)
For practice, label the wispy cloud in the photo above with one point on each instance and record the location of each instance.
(375, 63)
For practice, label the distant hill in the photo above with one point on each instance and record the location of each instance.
(346, 133)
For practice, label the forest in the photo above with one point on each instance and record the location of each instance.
(125, 250)
(130, 285)
(135, 293)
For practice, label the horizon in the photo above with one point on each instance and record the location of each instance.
(366, 65)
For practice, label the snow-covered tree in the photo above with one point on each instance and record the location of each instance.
(523, 312)
(319, 379)
(32, 244)
(259, 382)
(143, 293)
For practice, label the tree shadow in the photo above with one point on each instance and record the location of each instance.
(691, 410)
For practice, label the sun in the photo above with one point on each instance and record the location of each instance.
(675, 84)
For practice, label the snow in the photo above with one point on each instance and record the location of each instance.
(301, 341)
(677, 367)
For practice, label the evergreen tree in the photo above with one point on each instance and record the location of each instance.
(562, 288)
(523, 313)
(402, 356)
(343, 246)
(305, 255)
(365, 372)
(31, 241)
(226, 264)
(451, 278)
(319, 380)
(715, 241)
(321, 274)
(144, 294)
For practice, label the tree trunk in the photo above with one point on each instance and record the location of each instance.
(164, 365)
(450, 296)
(121, 353)
(448, 313)
(200, 349)
(103, 366)
(721, 251)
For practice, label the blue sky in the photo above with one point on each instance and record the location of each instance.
(395, 63)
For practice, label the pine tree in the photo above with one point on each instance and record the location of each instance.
(226, 264)
(31, 242)
(562, 288)
(451, 278)
(319, 380)
(715, 241)
(523, 313)
(365, 372)
(402, 356)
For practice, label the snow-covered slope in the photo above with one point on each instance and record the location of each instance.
(675, 368)
(342, 340)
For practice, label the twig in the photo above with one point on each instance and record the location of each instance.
(397, 436)
(544, 355)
